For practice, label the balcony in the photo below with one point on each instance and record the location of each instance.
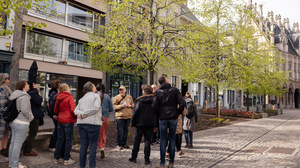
(54, 56)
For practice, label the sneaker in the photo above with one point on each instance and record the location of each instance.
(102, 155)
(180, 153)
(51, 149)
(125, 146)
(132, 160)
(170, 165)
(56, 161)
(147, 162)
(187, 146)
(69, 162)
(167, 155)
(158, 165)
(3, 159)
(21, 166)
(119, 147)
(31, 154)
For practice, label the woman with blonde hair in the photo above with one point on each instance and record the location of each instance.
(64, 109)
(5, 92)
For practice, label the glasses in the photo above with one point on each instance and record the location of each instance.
(121, 89)
(6, 78)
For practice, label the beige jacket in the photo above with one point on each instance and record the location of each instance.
(123, 112)
(179, 122)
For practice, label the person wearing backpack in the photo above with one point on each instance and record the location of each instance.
(5, 92)
(189, 120)
(36, 104)
(51, 103)
(20, 125)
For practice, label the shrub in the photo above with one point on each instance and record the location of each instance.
(234, 113)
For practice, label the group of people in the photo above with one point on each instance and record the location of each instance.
(161, 111)
(166, 110)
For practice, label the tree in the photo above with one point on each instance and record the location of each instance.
(139, 36)
(10, 12)
(212, 46)
(255, 62)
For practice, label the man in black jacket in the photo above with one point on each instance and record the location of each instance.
(168, 104)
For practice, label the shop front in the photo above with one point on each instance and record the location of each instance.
(5, 61)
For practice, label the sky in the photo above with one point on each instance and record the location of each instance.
(286, 8)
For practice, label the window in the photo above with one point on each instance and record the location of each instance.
(55, 9)
(99, 23)
(77, 51)
(174, 81)
(3, 20)
(43, 45)
(79, 17)
(141, 11)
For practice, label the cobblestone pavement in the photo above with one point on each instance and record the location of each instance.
(268, 142)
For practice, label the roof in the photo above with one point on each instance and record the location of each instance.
(187, 13)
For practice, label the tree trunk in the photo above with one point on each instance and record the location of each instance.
(264, 105)
(217, 102)
(151, 77)
(247, 100)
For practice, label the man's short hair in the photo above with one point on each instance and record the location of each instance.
(162, 80)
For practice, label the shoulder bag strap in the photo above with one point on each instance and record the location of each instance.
(121, 99)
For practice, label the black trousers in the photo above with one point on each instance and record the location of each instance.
(178, 141)
(147, 132)
(155, 136)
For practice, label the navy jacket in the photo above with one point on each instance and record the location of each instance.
(36, 103)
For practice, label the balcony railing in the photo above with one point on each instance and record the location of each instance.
(54, 55)
(59, 17)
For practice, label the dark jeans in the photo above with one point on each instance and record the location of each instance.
(147, 132)
(54, 135)
(89, 136)
(165, 137)
(188, 136)
(33, 129)
(178, 141)
(122, 132)
(155, 136)
(64, 131)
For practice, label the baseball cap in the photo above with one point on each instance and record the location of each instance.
(122, 88)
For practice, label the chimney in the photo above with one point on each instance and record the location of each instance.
(261, 11)
(271, 17)
(296, 27)
(286, 23)
(278, 20)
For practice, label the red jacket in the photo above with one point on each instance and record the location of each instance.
(65, 106)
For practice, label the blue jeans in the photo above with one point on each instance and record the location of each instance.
(165, 136)
(122, 133)
(89, 136)
(64, 131)
(18, 135)
(188, 137)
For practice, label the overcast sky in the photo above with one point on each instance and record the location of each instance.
(286, 8)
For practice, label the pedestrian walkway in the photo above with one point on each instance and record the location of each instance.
(267, 142)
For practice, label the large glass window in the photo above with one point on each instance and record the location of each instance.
(79, 17)
(77, 51)
(43, 45)
(56, 9)
(2, 20)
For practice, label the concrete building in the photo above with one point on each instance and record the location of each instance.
(59, 48)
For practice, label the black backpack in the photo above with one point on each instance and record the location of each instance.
(11, 112)
(190, 110)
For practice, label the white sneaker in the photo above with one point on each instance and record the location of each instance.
(69, 162)
(3, 159)
(56, 161)
(21, 166)
(51, 149)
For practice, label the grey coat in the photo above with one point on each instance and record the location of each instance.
(189, 124)
(89, 105)
(23, 105)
